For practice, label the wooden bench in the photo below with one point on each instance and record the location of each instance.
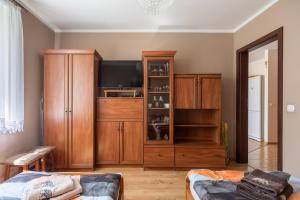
(36, 156)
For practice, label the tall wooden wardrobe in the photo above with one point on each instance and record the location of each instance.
(70, 80)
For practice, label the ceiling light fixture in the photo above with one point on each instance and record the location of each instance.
(153, 7)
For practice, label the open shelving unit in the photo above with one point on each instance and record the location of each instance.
(197, 121)
(197, 126)
(200, 125)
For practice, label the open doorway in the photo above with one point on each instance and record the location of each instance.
(262, 107)
(244, 62)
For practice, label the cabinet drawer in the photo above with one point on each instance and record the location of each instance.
(199, 157)
(114, 109)
(159, 157)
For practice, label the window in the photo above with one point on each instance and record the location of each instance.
(11, 69)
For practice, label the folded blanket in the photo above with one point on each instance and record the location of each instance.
(258, 185)
(272, 184)
(94, 187)
(254, 193)
(224, 196)
(204, 188)
(73, 193)
(56, 186)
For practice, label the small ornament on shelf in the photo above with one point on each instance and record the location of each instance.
(166, 137)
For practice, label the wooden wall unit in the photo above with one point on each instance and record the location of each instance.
(197, 91)
(197, 120)
(176, 124)
(119, 131)
(197, 137)
(186, 86)
(158, 118)
(159, 156)
(69, 105)
(159, 85)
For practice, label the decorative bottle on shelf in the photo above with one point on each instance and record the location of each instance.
(161, 102)
(155, 102)
(161, 71)
(167, 69)
(166, 137)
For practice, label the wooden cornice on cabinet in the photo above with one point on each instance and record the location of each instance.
(72, 51)
(159, 53)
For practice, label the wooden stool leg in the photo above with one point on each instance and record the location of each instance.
(37, 165)
(25, 168)
(52, 161)
(7, 172)
(43, 162)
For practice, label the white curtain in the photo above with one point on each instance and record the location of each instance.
(11, 69)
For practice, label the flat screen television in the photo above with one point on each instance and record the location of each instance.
(121, 74)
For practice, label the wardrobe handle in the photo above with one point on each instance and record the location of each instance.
(122, 127)
(119, 127)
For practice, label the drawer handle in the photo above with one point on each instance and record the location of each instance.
(159, 155)
(182, 155)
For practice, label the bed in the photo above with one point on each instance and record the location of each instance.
(202, 174)
(94, 186)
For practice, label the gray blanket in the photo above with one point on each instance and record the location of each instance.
(208, 189)
(97, 186)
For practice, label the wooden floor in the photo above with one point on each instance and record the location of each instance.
(262, 156)
(155, 184)
(170, 184)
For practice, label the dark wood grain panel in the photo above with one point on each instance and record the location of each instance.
(185, 91)
(131, 143)
(81, 109)
(158, 157)
(211, 93)
(55, 106)
(119, 109)
(199, 157)
(108, 142)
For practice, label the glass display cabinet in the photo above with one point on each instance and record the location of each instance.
(158, 96)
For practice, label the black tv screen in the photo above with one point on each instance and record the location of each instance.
(121, 74)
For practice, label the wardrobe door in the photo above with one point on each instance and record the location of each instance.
(211, 93)
(81, 111)
(185, 87)
(131, 143)
(56, 106)
(108, 142)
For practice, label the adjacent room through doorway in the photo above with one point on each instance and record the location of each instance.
(263, 107)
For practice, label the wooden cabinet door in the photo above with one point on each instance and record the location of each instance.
(131, 143)
(81, 111)
(55, 106)
(108, 142)
(210, 93)
(185, 87)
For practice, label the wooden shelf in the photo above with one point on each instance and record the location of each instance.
(158, 92)
(158, 141)
(158, 76)
(158, 108)
(159, 124)
(201, 143)
(206, 125)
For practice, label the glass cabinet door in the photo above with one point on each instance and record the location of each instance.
(158, 101)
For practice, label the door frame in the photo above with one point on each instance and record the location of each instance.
(242, 67)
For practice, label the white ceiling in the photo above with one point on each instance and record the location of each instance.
(128, 16)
